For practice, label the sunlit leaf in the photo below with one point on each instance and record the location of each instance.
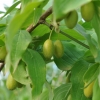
(19, 45)
(96, 90)
(36, 69)
(91, 73)
(62, 91)
(77, 73)
(14, 26)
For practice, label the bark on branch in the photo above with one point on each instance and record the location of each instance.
(42, 18)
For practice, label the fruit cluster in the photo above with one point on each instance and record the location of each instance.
(71, 18)
(50, 49)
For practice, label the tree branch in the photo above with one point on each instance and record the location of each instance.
(42, 18)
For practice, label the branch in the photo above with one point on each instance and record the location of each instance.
(42, 18)
(67, 35)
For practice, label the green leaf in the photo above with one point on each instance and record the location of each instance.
(50, 90)
(11, 8)
(40, 30)
(62, 7)
(92, 43)
(14, 26)
(71, 55)
(45, 95)
(38, 11)
(19, 45)
(37, 14)
(96, 25)
(91, 73)
(96, 90)
(36, 69)
(62, 91)
(20, 74)
(88, 57)
(1, 43)
(77, 73)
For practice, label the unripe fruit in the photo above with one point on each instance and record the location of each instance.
(88, 90)
(58, 49)
(11, 84)
(3, 52)
(69, 97)
(48, 49)
(87, 11)
(71, 19)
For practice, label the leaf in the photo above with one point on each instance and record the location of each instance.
(14, 26)
(88, 57)
(91, 73)
(50, 95)
(92, 43)
(96, 26)
(62, 91)
(71, 55)
(45, 95)
(38, 11)
(77, 73)
(37, 14)
(1, 43)
(40, 30)
(36, 69)
(62, 7)
(96, 90)
(19, 45)
(11, 8)
(20, 74)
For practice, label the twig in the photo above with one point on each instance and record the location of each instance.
(42, 18)
(67, 35)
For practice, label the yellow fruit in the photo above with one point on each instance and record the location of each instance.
(88, 90)
(71, 19)
(58, 49)
(11, 84)
(69, 97)
(48, 49)
(87, 11)
(3, 52)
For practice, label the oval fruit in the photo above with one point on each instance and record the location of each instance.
(3, 53)
(58, 49)
(69, 97)
(71, 19)
(88, 90)
(11, 84)
(87, 11)
(48, 49)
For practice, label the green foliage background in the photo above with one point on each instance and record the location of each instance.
(46, 79)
